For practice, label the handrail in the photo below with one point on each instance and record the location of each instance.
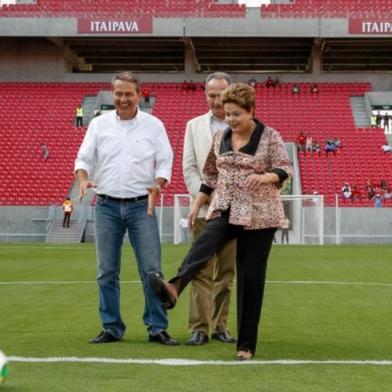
(51, 218)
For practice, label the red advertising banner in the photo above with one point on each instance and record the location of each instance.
(115, 26)
(370, 26)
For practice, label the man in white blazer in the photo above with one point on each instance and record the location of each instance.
(211, 289)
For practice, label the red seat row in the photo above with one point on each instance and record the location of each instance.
(123, 8)
(328, 9)
(25, 177)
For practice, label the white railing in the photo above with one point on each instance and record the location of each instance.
(305, 213)
(51, 218)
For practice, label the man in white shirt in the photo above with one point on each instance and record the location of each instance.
(183, 223)
(386, 148)
(132, 158)
(211, 289)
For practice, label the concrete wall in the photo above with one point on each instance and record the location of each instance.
(358, 225)
(23, 224)
(250, 26)
(23, 57)
(377, 98)
(32, 59)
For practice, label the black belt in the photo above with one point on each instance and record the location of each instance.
(125, 199)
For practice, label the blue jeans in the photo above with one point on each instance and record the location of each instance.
(112, 220)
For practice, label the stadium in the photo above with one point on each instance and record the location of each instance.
(326, 314)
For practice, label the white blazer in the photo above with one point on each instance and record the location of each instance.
(197, 145)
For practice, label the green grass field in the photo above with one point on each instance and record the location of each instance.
(321, 303)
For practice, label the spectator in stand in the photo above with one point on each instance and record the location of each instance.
(269, 82)
(252, 82)
(295, 89)
(387, 195)
(309, 143)
(369, 189)
(355, 193)
(301, 141)
(276, 82)
(185, 85)
(45, 151)
(338, 144)
(386, 148)
(387, 120)
(146, 96)
(346, 192)
(373, 120)
(384, 184)
(377, 198)
(192, 86)
(330, 147)
(378, 119)
(316, 147)
(314, 88)
(79, 116)
(68, 208)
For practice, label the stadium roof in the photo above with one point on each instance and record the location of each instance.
(231, 54)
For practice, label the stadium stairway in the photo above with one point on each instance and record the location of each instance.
(60, 234)
(358, 107)
(88, 105)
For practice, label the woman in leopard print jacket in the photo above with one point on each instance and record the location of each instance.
(245, 168)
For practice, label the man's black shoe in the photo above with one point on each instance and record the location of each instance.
(197, 339)
(164, 338)
(104, 337)
(224, 337)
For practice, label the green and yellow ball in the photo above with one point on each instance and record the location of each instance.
(3, 368)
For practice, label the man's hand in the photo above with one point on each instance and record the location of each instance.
(84, 185)
(153, 192)
(192, 216)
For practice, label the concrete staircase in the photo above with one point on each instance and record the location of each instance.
(74, 233)
(89, 102)
(61, 234)
(361, 118)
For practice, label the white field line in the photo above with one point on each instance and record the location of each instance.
(288, 282)
(190, 362)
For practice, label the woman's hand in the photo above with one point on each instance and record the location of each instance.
(255, 181)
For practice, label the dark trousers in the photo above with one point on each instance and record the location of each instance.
(253, 247)
(79, 121)
(67, 218)
(285, 234)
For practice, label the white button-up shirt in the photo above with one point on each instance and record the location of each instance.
(216, 124)
(126, 155)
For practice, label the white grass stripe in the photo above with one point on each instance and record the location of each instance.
(329, 282)
(293, 282)
(191, 362)
(61, 282)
